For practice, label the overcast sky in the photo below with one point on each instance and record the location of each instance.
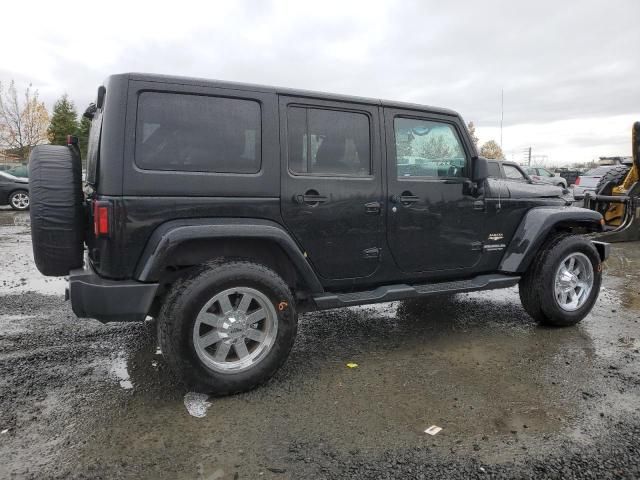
(570, 69)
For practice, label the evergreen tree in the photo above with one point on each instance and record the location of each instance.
(64, 121)
(83, 137)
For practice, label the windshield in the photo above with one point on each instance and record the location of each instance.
(599, 171)
(21, 171)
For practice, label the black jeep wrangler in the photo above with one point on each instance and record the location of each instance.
(224, 209)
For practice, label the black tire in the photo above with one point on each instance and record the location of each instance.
(17, 202)
(537, 286)
(57, 213)
(615, 176)
(182, 306)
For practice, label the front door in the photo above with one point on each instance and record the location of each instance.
(433, 222)
(332, 184)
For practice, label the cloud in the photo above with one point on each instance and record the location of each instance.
(555, 61)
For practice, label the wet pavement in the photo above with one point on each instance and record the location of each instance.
(79, 399)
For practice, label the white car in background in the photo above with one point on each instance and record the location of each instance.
(587, 182)
(542, 175)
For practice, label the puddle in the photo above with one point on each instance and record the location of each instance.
(119, 369)
(197, 404)
(19, 219)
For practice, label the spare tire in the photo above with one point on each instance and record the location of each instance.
(615, 176)
(57, 212)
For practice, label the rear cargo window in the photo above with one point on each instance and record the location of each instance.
(196, 133)
(93, 148)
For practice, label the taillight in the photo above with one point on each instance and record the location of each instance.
(577, 181)
(100, 219)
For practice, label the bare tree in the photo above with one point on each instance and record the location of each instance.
(491, 149)
(472, 133)
(22, 126)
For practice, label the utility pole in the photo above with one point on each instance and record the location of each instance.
(529, 162)
(501, 114)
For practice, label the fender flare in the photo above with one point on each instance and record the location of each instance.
(167, 238)
(534, 229)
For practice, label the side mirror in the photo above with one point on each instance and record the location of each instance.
(479, 169)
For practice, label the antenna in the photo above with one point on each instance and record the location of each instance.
(501, 114)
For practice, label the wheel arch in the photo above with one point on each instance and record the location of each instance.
(16, 189)
(538, 225)
(183, 243)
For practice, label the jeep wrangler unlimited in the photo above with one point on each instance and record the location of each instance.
(224, 209)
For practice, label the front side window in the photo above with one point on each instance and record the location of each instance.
(328, 142)
(196, 133)
(545, 173)
(512, 172)
(426, 148)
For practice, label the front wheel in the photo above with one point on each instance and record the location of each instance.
(19, 200)
(227, 327)
(563, 282)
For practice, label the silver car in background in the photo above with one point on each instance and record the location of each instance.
(587, 182)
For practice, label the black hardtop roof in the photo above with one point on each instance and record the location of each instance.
(151, 77)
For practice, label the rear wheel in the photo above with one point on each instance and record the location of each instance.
(563, 282)
(228, 326)
(19, 200)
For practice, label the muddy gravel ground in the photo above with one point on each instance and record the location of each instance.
(79, 399)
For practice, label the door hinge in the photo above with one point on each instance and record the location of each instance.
(373, 252)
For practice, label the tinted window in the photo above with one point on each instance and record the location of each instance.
(427, 149)
(328, 142)
(512, 172)
(494, 170)
(197, 133)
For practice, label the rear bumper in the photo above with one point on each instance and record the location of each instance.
(109, 300)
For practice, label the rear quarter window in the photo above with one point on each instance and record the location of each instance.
(197, 133)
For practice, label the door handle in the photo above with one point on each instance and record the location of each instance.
(409, 199)
(372, 208)
(310, 198)
(478, 205)
(406, 198)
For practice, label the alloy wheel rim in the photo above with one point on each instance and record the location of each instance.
(20, 200)
(235, 330)
(573, 281)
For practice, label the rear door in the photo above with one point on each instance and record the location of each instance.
(331, 183)
(433, 223)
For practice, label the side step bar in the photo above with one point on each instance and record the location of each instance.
(400, 292)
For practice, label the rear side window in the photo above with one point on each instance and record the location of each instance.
(328, 142)
(196, 133)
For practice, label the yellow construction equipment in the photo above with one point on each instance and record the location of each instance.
(618, 197)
